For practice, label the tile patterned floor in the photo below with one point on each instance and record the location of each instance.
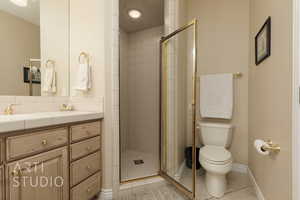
(155, 191)
(236, 182)
(239, 188)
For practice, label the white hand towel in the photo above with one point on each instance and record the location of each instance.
(216, 96)
(84, 82)
(53, 88)
(49, 84)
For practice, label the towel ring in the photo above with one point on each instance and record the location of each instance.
(86, 57)
(50, 62)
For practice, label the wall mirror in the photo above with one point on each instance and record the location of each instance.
(34, 39)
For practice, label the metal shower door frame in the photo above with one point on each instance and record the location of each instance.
(163, 124)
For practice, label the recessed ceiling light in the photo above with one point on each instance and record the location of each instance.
(134, 14)
(21, 3)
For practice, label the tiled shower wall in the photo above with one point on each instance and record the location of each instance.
(140, 84)
(124, 97)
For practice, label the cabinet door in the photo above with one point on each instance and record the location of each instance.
(41, 177)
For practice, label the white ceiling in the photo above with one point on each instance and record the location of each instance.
(31, 13)
(152, 14)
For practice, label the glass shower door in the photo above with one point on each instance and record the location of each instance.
(178, 98)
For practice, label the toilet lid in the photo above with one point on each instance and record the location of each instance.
(215, 154)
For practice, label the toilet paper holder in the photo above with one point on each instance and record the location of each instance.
(271, 147)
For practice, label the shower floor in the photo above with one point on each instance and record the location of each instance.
(130, 170)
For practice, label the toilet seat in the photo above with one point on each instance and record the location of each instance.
(215, 155)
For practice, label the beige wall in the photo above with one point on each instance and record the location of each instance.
(223, 47)
(270, 102)
(20, 41)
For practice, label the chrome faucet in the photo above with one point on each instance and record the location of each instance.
(9, 109)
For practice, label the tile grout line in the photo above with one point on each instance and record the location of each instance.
(230, 192)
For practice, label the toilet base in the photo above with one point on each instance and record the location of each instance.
(216, 184)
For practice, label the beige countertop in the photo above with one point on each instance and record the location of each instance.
(19, 122)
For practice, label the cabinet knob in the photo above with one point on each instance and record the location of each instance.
(88, 148)
(88, 167)
(88, 190)
(44, 142)
(14, 173)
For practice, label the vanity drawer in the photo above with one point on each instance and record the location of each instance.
(83, 168)
(83, 131)
(24, 145)
(84, 148)
(87, 189)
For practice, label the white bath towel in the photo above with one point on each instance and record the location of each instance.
(216, 96)
(84, 78)
(49, 84)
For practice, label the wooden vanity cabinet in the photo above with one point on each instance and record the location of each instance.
(59, 163)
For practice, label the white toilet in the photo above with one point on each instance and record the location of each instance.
(214, 157)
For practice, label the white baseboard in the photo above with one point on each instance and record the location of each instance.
(259, 194)
(241, 168)
(106, 194)
(178, 175)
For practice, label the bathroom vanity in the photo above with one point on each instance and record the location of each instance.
(47, 155)
(50, 156)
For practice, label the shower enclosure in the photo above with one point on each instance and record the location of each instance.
(139, 103)
(157, 101)
(139, 72)
(157, 106)
(178, 104)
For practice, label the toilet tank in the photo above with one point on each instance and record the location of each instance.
(216, 134)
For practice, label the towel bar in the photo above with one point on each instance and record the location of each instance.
(50, 62)
(86, 56)
(235, 75)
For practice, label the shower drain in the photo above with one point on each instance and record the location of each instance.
(138, 162)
